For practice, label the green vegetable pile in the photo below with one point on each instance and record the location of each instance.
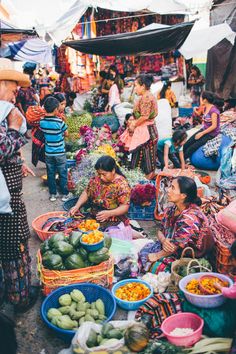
(74, 121)
(162, 347)
(109, 336)
(62, 252)
(74, 310)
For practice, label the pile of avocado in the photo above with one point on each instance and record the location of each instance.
(62, 252)
(109, 336)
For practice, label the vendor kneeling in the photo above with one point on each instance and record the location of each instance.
(183, 225)
(108, 196)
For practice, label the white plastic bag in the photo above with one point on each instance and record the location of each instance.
(80, 338)
(159, 281)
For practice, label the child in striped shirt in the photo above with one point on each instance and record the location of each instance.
(54, 130)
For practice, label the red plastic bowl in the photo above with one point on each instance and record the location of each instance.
(183, 320)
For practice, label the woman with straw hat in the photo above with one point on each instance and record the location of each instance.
(15, 276)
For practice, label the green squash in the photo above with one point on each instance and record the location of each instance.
(63, 248)
(136, 337)
(44, 247)
(99, 256)
(74, 238)
(53, 262)
(74, 261)
(83, 253)
(59, 236)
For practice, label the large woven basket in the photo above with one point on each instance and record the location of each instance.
(40, 220)
(101, 274)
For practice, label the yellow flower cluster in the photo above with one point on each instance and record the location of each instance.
(132, 292)
(108, 150)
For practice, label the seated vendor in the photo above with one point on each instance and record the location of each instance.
(183, 225)
(108, 195)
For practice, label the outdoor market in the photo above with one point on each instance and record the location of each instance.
(118, 177)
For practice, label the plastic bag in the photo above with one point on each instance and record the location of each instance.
(159, 282)
(82, 334)
(122, 269)
(121, 249)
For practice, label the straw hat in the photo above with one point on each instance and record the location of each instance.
(8, 73)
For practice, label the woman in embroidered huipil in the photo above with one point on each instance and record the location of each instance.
(107, 194)
(141, 135)
(183, 225)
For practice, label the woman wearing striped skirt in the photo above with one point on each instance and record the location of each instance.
(141, 135)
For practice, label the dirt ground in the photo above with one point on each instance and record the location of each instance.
(32, 334)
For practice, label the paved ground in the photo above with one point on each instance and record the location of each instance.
(33, 336)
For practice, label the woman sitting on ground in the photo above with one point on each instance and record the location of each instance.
(183, 225)
(210, 128)
(107, 194)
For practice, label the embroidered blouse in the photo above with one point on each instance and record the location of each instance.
(186, 229)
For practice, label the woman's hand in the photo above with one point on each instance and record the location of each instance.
(168, 246)
(153, 257)
(198, 136)
(104, 215)
(218, 286)
(26, 170)
(75, 210)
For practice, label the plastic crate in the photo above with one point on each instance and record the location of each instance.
(185, 112)
(138, 212)
(101, 274)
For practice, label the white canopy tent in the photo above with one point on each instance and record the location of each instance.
(200, 41)
(59, 17)
(201, 38)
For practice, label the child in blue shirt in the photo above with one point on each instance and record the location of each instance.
(172, 148)
(54, 130)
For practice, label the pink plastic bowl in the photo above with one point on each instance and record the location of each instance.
(183, 320)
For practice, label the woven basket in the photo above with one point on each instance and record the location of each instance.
(223, 258)
(40, 220)
(183, 261)
(101, 274)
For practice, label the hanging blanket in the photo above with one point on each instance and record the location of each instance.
(212, 147)
(156, 310)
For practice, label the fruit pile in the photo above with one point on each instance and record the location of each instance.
(93, 237)
(74, 310)
(61, 252)
(132, 292)
(89, 225)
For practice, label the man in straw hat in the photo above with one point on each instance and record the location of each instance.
(15, 275)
